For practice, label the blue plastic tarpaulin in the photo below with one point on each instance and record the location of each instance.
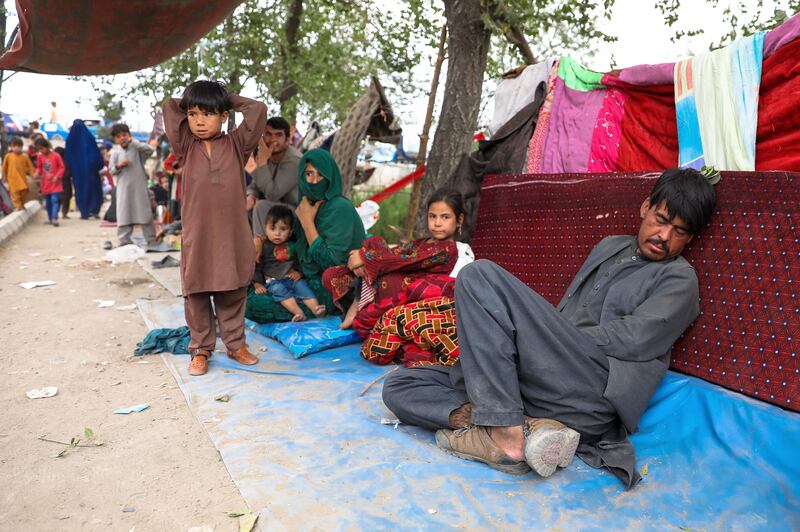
(308, 451)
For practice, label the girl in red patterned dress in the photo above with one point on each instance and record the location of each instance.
(385, 273)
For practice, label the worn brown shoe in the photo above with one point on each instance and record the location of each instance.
(243, 356)
(199, 363)
(549, 444)
(474, 443)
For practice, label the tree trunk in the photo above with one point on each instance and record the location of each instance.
(288, 54)
(413, 202)
(468, 49)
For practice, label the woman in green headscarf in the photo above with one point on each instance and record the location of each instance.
(326, 230)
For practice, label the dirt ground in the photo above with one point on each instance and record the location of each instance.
(156, 470)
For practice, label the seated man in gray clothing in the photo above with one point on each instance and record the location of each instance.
(275, 177)
(534, 381)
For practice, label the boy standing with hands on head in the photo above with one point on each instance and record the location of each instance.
(217, 254)
(126, 164)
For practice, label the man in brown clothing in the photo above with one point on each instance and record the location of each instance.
(217, 254)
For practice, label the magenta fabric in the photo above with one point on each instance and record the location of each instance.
(782, 35)
(572, 121)
(604, 150)
(659, 74)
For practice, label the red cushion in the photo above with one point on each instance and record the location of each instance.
(542, 227)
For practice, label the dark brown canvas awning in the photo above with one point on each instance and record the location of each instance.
(86, 37)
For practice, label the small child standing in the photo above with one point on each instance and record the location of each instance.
(17, 167)
(51, 171)
(217, 254)
(126, 163)
(277, 272)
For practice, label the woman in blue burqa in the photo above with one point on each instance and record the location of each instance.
(84, 160)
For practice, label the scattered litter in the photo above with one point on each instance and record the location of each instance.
(214, 419)
(36, 254)
(131, 409)
(223, 397)
(68, 257)
(336, 360)
(104, 303)
(142, 362)
(128, 509)
(262, 349)
(124, 254)
(645, 470)
(247, 522)
(34, 284)
(47, 391)
(116, 383)
(107, 245)
(431, 511)
(238, 513)
(23, 267)
(387, 421)
(132, 306)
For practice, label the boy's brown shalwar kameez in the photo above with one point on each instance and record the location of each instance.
(217, 253)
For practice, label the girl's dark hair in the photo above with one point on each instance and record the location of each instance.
(279, 212)
(16, 142)
(118, 128)
(60, 151)
(452, 197)
(209, 96)
(687, 194)
(42, 143)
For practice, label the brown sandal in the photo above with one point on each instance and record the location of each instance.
(199, 363)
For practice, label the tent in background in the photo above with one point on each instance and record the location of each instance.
(79, 37)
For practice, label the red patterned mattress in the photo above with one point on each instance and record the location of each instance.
(541, 228)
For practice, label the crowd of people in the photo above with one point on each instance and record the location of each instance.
(504, 377)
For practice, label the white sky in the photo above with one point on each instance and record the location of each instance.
(640, 28)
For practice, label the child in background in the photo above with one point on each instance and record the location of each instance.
(126, 163)
(277, 272)
(217, 254)
(16, 167)
(51, 170)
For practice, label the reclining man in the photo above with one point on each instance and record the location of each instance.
(533, 381)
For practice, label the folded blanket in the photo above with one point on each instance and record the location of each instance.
(175, 341)
(422, 333)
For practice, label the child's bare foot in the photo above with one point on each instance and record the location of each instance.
(299, 317)
(319, 311)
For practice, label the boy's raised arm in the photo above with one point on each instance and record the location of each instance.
(253, 125)
(176, 126)
(143, 148)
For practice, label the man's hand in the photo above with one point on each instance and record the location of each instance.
(265, 150)
(122, 163)
(354, 261)
(306, 212)
(153, 142)
(294, 275)
(251, 201)
(259, 288)
(178, 170)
